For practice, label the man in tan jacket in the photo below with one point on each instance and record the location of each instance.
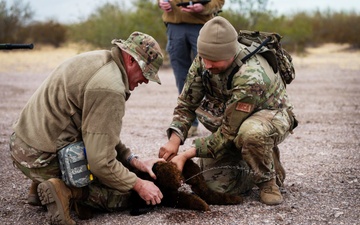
(84, 100)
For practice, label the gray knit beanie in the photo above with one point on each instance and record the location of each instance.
(217, 40)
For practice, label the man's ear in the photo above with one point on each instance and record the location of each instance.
(128, 58)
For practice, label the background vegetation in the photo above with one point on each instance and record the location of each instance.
(111, 21)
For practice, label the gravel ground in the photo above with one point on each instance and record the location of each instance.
(321, 157)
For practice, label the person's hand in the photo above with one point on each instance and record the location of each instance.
(180, 159)
(171, 148)
(148, 191)
(168, 151)
(197, 8)
(165, 5)
(146, 165)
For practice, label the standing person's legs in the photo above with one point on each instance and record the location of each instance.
(181, 46)
(179, 52)
(192, 35)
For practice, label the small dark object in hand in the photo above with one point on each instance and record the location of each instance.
(184, 4)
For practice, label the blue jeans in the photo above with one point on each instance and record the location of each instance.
(181, 46)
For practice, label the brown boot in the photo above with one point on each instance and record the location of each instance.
(33, 197)
(56, 196)
(279, 169)
(270, 193)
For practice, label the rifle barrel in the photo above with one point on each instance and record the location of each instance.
(8, 46)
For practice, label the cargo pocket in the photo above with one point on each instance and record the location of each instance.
(282, 123)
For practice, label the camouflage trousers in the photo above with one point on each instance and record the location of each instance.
(40, 166)
(251, 161)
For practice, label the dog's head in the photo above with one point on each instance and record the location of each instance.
(167, 175)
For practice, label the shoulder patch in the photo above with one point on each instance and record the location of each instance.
(244, 107)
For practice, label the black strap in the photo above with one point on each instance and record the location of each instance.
(231, 75)
(243, 60)
(256, 50)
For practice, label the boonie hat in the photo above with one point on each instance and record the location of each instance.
(146, 51)
(217, 40)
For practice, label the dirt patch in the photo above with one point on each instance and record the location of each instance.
(321, 157)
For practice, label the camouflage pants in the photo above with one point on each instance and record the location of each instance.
(40, 166)
(251, 162)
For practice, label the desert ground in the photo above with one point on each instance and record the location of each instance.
(321, 158)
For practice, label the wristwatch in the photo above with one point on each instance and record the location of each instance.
(131, 157)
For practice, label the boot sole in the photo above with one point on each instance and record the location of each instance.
(48, 197)
(272, 203)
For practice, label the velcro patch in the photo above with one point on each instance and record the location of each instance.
(244, 107)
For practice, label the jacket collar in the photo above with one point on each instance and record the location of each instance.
(117, 57)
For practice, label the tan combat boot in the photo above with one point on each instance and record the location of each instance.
(56, 196)
(270, 193)
(33, 197)
(279, 169)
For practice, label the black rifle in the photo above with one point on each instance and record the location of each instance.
(16, 46)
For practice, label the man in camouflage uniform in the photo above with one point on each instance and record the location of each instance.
(247, 110)
(84, 100)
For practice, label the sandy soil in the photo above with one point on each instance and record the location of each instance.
(321, 157)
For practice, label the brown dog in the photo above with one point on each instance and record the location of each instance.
(170, 179)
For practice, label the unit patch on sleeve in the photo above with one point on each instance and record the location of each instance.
(244, 107)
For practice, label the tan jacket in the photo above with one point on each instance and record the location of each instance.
(177, 16)
(84, 98)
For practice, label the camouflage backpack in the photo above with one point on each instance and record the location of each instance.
(269, 46)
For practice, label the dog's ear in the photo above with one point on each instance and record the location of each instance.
(155, 168)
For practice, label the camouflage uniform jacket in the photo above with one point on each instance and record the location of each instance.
(83, 99)
(254, 87)
(177, 16)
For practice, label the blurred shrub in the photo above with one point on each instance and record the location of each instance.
(147, 18)
(112, 21)
(13, 19)
(337, 27)
(106, 23)
(49, 33)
